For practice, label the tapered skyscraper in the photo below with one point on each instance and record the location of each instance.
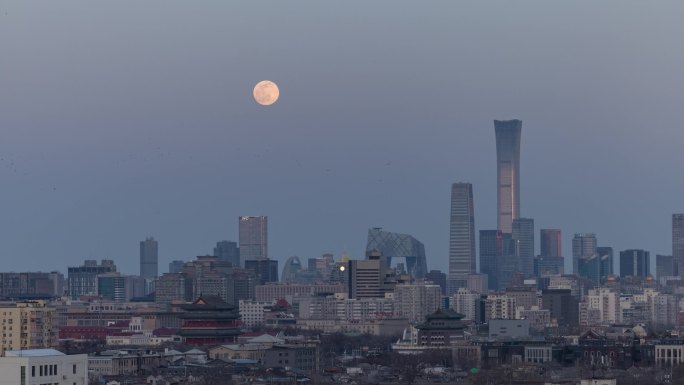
(461, 236)
(507, 172)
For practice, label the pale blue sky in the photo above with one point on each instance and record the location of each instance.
(125, 119)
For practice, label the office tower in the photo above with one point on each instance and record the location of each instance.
(508, 134)
(523, 236)
(498, 258)
(323, 265)
(149, 258)
(112, 287)
(606, 261)
(678, 243)
(176, 266)
(228, 251)
(583, 246)
(664, 266)
(253, 238)
(366, 278)
(550, 243)
(266, 270)
(563, 306)
(395, 245)
(590, 267)
(461, 237)
(31, 285)
(491, 245)
(82, 280)
(634, 262)
(546, 266)
(438, 278)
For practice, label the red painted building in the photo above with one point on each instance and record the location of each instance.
(209, 320)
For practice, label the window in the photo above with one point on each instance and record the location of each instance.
(22, 375)
(33, 371)
(74, 368)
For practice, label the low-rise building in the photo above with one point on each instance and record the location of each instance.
(43, 366)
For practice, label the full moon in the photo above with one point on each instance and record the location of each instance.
(266, 92)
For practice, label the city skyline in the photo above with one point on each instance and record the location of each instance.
(115, 130)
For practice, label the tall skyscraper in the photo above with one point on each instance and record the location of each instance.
(523, 236)
(678, 243)
(228, 251)
(149, 258)
(635, 263)
(491, 246)
(461, 237)
(583, 246)
(550, 243)
(253, 238)
(508, 134)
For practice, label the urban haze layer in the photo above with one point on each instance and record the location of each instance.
(516, 317)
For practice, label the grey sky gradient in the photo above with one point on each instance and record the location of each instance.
(125, 119)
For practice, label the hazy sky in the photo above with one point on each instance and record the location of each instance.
(125, 119)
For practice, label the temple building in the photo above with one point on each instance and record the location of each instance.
(209, 320)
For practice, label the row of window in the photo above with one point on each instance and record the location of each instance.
(47, 370)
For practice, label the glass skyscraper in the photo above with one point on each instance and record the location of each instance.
(395, 245)
(635, 262)
(550, 243)
(462, 260)
(583, 247)
(678, 243)
(508, 134)
(523, 236)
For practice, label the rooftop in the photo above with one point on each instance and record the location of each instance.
(33, 353)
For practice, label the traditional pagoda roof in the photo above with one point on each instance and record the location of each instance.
(444, 314)
(452, 318)
(208, 302)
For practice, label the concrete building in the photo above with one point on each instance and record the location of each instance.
(466, 302)
(292, 291)
(507, 329)
(173, 287)
(366, 278)
(499, 306)
(43, 366)
(415, 301)
(27, 325)
(462, 257)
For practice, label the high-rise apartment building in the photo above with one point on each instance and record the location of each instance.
(253, 238)
(523, 236)
(678, 243)
(634, 262)
(550, 243)
(149, 258)
(228, 251)
(462, 259)
(33, 326)
(508, 133)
